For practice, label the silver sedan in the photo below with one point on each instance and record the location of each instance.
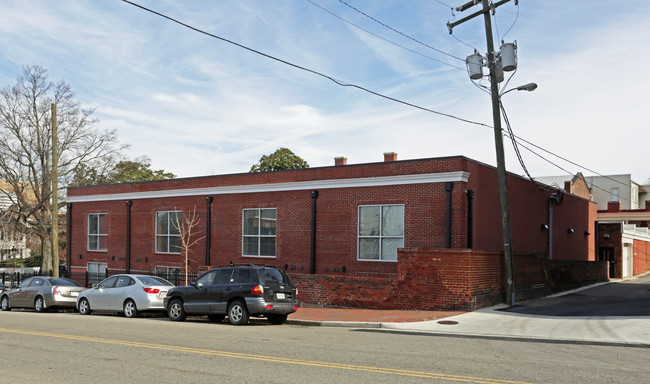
(42, 293)
(125, 293)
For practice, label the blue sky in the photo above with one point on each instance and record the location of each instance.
(198, 106)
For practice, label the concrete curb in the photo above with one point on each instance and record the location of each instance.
(391, 328)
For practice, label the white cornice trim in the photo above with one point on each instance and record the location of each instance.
(422, 178)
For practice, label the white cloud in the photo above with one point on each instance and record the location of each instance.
(197, 105)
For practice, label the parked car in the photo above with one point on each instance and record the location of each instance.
(3, 288)
(237, 291)
(125, 293)
(42, 293)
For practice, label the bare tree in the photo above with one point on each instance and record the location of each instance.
(186, 225)
(26, 147)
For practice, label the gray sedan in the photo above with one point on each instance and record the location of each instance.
(42, 293)
(126, 293)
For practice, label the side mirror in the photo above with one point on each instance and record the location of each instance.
(95, 285)
(193, 283)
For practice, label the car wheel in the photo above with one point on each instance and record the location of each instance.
(4, 303)
(276, 319)
(175, 311)
(130, 310)
(39, 305)
(216, 318)
(84, 307)
(237, 313)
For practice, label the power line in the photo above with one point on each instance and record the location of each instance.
(386, 40)
(338, 82)
(403, 34)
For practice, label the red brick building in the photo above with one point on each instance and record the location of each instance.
(346, 222)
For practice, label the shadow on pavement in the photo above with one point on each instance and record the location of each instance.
(628, 299)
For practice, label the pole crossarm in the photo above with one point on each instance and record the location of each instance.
(463, 7)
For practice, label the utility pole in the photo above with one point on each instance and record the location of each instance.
(498, 137)
(55, 197)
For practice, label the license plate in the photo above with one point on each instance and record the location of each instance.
(74, 294)
(279, 296)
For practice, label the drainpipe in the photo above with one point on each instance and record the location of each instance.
(208, 227)
(448, 188)
(69, 242)
(470, 218)
(553, 200)
(128, 236)
(312, 263)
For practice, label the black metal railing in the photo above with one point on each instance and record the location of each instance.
(13, 279)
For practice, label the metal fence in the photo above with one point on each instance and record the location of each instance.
(87, 279)
(14, 278)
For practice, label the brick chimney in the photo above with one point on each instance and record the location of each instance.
(338, 161)
(390, 156)
(613, 206)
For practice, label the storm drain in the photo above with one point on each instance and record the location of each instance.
(447, 322)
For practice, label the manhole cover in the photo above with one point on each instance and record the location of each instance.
(447, 322)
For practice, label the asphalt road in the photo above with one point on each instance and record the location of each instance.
(70, 348)
(621, 299)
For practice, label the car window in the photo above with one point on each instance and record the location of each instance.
(37, 283)
(245, 276)
(108, 283)
(153, 280)
(26, 283)
(124, 281)
(224, 276)
(66, 283)
(206, 279)
(272, 275)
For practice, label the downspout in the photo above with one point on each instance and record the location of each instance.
(208, 228)
(448, 188)
(470, 218)
(312, 250)
(69, 242)
(553, 200)
(550, 228)
(128, 236)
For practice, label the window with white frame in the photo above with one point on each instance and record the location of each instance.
(168, 235)
(258, 232)
(380, 232)
(614, 194)
(97, 232)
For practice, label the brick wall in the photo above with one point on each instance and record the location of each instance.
(443, 279)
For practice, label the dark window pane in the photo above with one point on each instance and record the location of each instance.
(224, 276)
(65, 283)
(250, 246)
(251, 222)
(267, 246)
(369, 249)
(162, 223)
(268, 222)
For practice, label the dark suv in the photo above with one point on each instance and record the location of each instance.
(237, 291)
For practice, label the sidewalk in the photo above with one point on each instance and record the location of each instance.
(489, 323)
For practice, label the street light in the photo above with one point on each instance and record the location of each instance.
(526, 87)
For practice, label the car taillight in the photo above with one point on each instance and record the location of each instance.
(55, 290)
(257, 290)
(151, 290)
